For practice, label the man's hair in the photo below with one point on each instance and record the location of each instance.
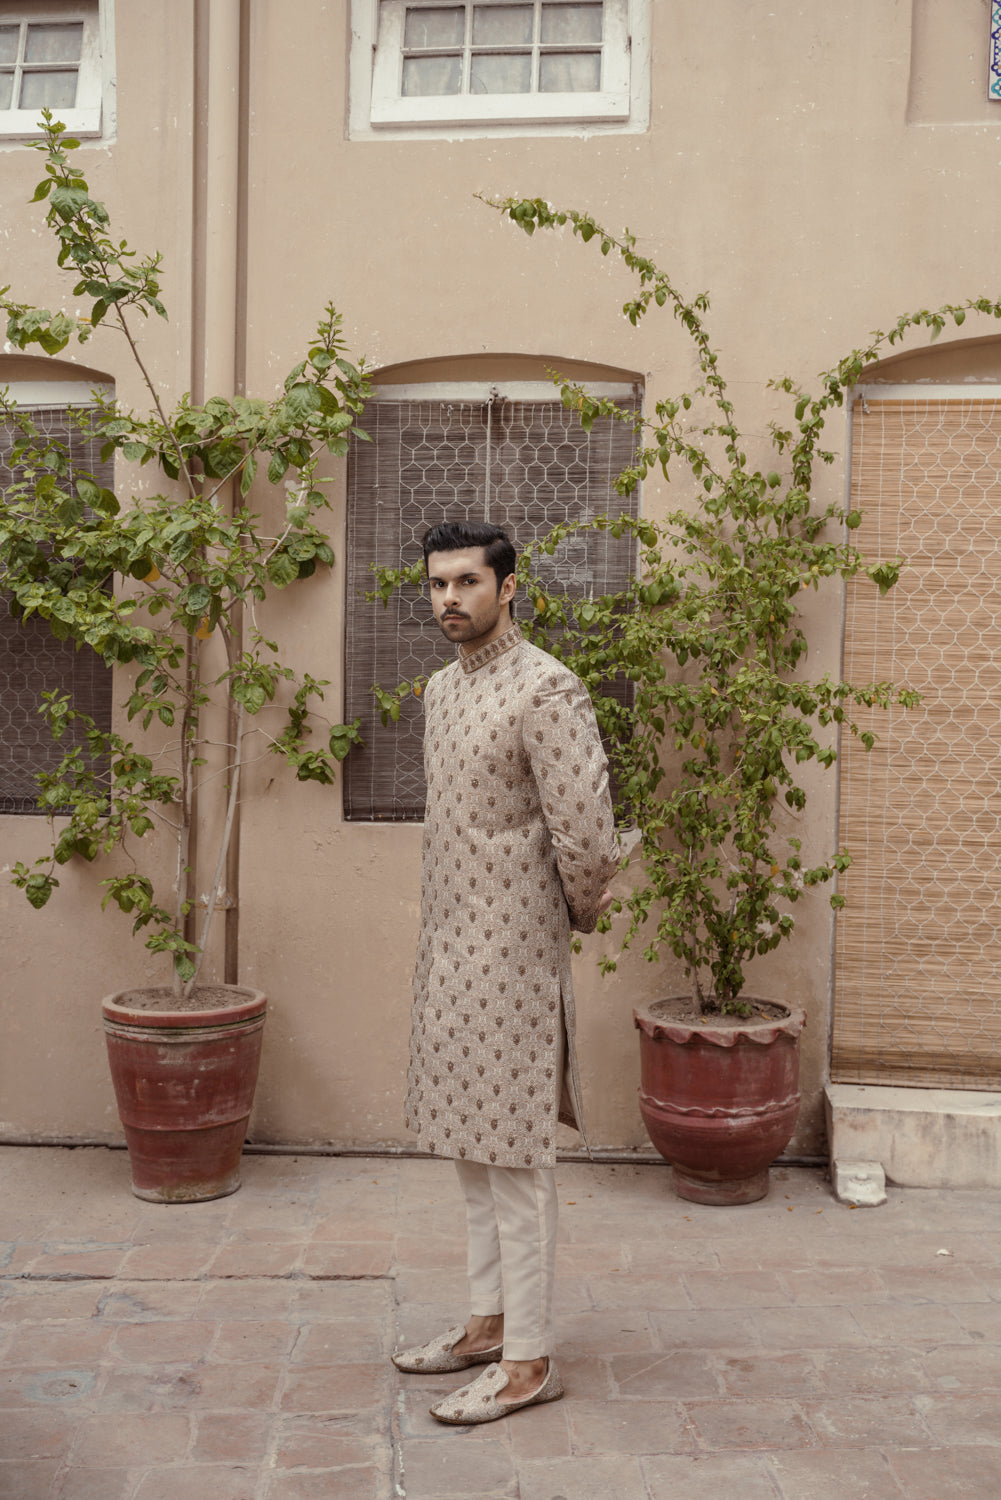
(453, 536)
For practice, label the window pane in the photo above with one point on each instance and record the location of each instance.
(441, 27)
(502, 25)
(571, 23)
(431, 75)
(567, 73)
(52, 44)
(58, 89)
(6, 89)
(501, 74)
(8, 44)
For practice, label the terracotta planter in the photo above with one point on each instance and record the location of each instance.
(184, 1081)
(719, 1102)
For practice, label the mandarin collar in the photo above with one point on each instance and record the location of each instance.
(472, 661)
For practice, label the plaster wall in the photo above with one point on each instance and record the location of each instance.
(793, 171)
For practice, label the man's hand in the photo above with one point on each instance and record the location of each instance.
(605, 902)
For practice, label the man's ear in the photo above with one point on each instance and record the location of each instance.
(508, 589)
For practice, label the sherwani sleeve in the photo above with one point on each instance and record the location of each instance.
(563, 744)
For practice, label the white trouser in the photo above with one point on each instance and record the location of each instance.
(511, 1215)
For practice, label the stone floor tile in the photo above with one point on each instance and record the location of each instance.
(347, 1258)
(114, 1440)
(44, 1301)
(971, 1367)
(590, 1478)
(369, 1227)
(199, 1482)
(749, 1424)
(148, 1301)
(434, 1470)
(962, 1419)
(167, 1262)
(649, 1291)
(322, 1301)
(807, 1328)
(826, 1287)
(883, 1369)
(768, 1374)
(944, 1283)
(27, 1479)
(39, 1432)
(980, 1320)
(709, 1476)
(77, 1341)
(896, 1323)
(708, 1328)
(258, 1259)
(243, 1340)
(430, 1252)
(230, 1437)
(636, 1427)
(349, 1341)
(867, 1421)
(366, 1483)
(829, 1475)
(28, 1386)
(80, 1262)
(598, 1334)
(953, 1473)
(220, 1301)
(539, 1431)
(320, 1443)
(355, 1387)
(654, 1377)
(716, 1289)
(162, 1343)
(95, 1484)
(585, 1375)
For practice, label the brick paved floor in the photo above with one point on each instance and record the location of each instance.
(795, 1349)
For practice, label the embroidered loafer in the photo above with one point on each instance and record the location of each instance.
(478, 1402)
(436, 1356)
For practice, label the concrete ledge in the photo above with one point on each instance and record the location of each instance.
(920, 1137)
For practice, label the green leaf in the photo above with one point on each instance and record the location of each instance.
(282, 570)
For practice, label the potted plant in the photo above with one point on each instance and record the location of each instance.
(164, 587)
(708, 747)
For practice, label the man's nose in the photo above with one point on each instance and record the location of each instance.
(451, 594)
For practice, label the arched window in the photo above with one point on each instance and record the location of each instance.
(504, 450)
(31, 659)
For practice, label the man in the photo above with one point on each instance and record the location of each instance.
(519, 843)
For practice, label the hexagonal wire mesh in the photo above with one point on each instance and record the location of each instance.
(525, 464)
(918, 992)
(32, 660)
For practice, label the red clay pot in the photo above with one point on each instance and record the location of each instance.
(720, 1103)
(184, 1081)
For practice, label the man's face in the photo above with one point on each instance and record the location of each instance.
(465, 598)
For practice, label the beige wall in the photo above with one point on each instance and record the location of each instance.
(799, 165)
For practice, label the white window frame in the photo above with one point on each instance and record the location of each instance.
(93, 115)
(379, 111)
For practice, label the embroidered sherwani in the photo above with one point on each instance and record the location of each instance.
(519, 844)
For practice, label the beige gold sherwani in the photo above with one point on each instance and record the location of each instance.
(519, 844)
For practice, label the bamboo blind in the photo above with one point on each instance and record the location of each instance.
(918, 991)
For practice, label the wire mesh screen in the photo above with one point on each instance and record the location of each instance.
(918, 993)
(523, 465)
(33, 661)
